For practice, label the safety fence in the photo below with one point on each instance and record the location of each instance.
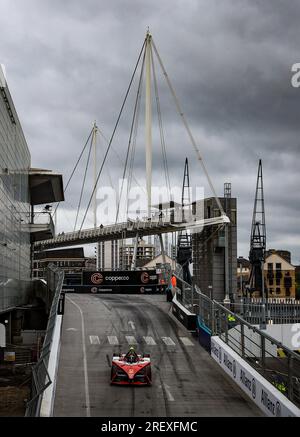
(255, 346)
(40, 376)
(272, 311)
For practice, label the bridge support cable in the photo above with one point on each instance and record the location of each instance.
(120, 161)
(76, 165)
(113, 133)
(133, 261)
(84, 179)
(132, 155)
(182, 116)
(161, 131)
(131, 134)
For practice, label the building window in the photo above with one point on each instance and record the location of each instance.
(287, 292)
(277, 281)
(271, 290)
(271, 282)
(270, 266)
(277, 290)
(278, 266)
(233, 217)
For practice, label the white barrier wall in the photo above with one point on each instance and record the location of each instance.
(263, 393)
(49, 394)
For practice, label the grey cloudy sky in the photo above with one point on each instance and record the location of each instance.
(69, 63)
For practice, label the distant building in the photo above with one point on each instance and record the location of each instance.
(297, 275)
(145, 253)
(69, 260)
(159, 260)
(243, 274)
(285, 254)
(209, 251)
(279, 276)
(108, 255)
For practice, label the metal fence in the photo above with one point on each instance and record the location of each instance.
(260, 351)
(276, 311)
(40, 376)
(255, 346)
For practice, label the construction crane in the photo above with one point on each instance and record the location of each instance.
(258, 238)
(184, 245)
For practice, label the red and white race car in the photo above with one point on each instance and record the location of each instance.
(131, 368)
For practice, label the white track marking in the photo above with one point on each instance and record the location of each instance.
(149, 341)
(72, 329)
(86, 379)
(94, 339)
(186, 341)
(131, 339)
(131, 324)
(168, 341)
(167, 390)
(112, 339)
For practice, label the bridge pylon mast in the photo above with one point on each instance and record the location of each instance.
(148, 121)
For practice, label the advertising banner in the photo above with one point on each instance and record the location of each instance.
(123, 281)
(262, 392)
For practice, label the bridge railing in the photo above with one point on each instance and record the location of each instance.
(40, 376)
(275, 362)
(277, 311)
(269, 357)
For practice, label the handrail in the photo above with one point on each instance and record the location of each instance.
(260, 352)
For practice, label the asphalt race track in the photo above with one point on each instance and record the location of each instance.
(186, 380)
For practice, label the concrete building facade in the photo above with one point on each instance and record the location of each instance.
(15, 206)
(279, 276)
(209, 251)
(70, 260)
(145, 253)
(21, 189)
(108, 255)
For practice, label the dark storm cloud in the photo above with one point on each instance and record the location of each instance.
(70, 62)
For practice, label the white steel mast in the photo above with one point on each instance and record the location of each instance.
(148, 121)
(94, 140)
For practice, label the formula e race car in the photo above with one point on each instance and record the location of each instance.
(131, 368)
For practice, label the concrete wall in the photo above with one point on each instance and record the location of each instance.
(209, 253)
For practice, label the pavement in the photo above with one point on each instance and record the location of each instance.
(186, 380)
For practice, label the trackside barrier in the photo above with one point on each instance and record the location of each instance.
(254, 346)
(262, 392)
(48, 395)
(44, 372)
(182, 314)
